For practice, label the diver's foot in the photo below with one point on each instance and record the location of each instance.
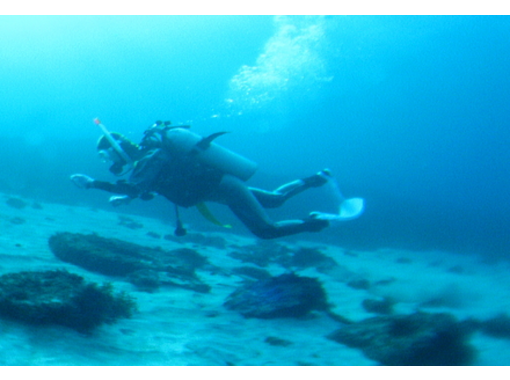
(318, 179)
(82, 181)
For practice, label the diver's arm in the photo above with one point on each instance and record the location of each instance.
(120, 187)
(144, 173)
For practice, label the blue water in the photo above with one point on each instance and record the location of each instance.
(410, 113)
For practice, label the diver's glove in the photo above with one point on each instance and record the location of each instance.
(119, 200)
(82, 181)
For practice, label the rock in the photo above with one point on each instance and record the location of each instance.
(361, 284)
(275, 341)
(266, 252)
(308, 258)
(253, 272)
(285, 296)
(456, 269)
(202, 239)
(16, 203)
(63, 298)
(262, 254)
(129, 222)
(37, 206)
(418, 339)
(384, 306)
(154, 235)
(145, 279)
(17, 220)
(497, 327)
(145, 267)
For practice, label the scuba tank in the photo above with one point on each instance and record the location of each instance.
(182, 141)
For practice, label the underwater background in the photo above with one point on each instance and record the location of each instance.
(408, 112)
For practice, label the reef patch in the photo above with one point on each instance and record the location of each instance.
(418, 339)
(285, 296)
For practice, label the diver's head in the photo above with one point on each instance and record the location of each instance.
(108, 153)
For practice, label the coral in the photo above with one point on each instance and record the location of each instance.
(115, 257)
(60, 297)
(287, 295)
(418, 339)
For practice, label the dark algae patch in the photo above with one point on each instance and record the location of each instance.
(61, 298)
(410, 340)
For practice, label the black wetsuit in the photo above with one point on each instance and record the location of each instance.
(183, 180)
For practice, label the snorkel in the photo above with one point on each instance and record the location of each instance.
(115, 145)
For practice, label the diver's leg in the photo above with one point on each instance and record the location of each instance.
(272, 199)
(243, 203)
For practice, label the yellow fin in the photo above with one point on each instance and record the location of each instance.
(206, 213)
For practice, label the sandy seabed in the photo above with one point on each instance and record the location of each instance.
(179, 327)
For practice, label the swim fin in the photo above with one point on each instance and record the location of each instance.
(349, 209)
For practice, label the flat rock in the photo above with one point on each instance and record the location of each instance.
(147, 268)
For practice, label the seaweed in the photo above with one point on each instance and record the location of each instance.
(62, 298)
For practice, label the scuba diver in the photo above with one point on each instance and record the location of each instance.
(188, 170)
